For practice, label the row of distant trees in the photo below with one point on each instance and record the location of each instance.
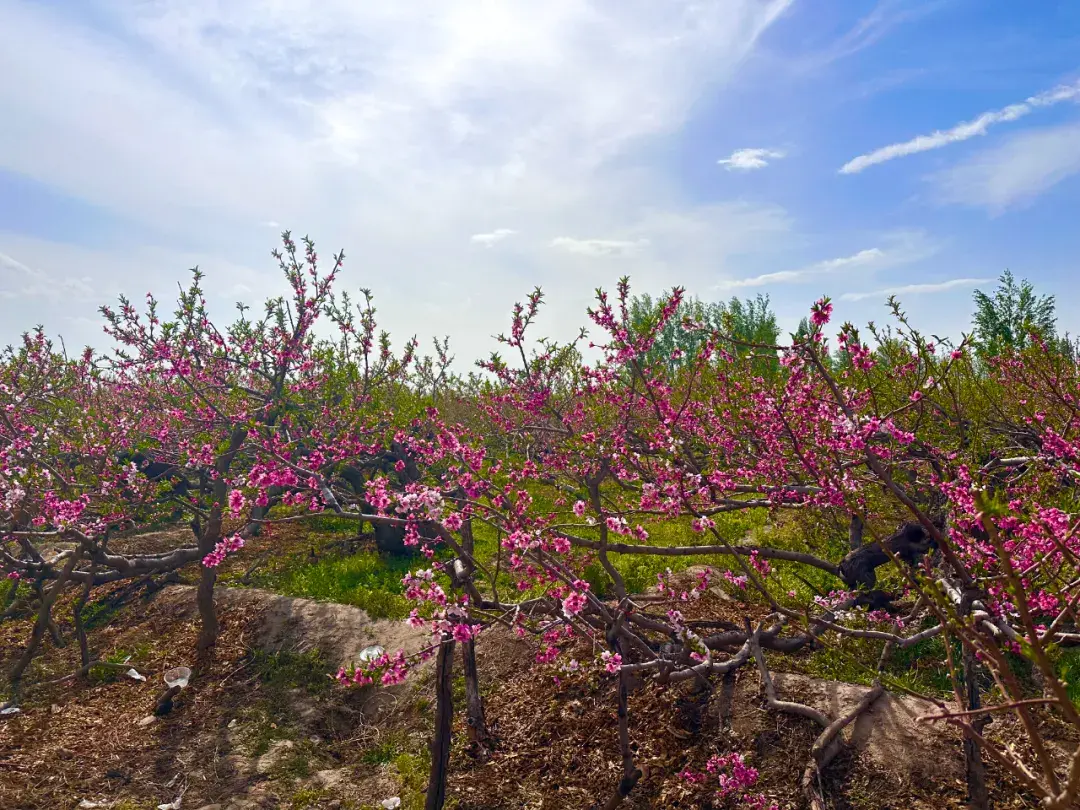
(1006, 319)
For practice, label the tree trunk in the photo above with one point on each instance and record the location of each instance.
(978, 798)
(631, 774)
(855, 532)
(76, 613)
(205, 600)
(479, 740)
(210, 537)
(727, 699)
(44, 621)
(444, 720)
(204, 596)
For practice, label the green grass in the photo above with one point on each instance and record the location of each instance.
(290, 670)
(306, 798)
(372, 581)
(98, 613)
(413, 770)
(923, 667)
(411, 763)
(269, 719)
(1068, 670)
(329, 523)
(133, 656)
(390, 746)
(299, 763)
(262, 725)
(639, 572)
(366, 580)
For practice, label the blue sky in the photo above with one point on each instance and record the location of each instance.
(463, 151)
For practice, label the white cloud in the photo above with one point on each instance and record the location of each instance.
(898, 248)
(1015, 172)
(864, 258)
(491, 238)
(18, 282)
(915, 289)
(600, 247)
(750, 159)
(389, 129)
(882, 20)
(963, 131)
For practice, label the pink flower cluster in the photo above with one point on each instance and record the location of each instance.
(387, 669)
(611, 662)
(734, 779)
(224, 547)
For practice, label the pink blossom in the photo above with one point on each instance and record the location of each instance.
(236, 501)
(821, 312)
(463, 633)
(574, 603)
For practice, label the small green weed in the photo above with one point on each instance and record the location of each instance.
(413, 771)
(262, 725)
(1068, 670)
(389, 747)
(299, 763)
(98, 614)
(133, 656)
(292, 670)
(307, 798)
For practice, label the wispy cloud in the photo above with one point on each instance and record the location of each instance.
(491, 238)
(750, 159)
(962, 131)
(600, 247)
(1014, 173)
(864, 258)
(20, 281)
(886, 16)
(915, 289)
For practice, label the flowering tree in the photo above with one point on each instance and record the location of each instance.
(986, 550)
(182, 417)
(525, 493)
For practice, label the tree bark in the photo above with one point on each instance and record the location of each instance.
(630, 772)
(44, 620)
(76, 614)
(444, 720)
(210, 537)
(208, 616)
(978, 798)
(479, 739)
(855, 532)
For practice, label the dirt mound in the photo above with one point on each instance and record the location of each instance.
(886, 737)
(338, 631)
